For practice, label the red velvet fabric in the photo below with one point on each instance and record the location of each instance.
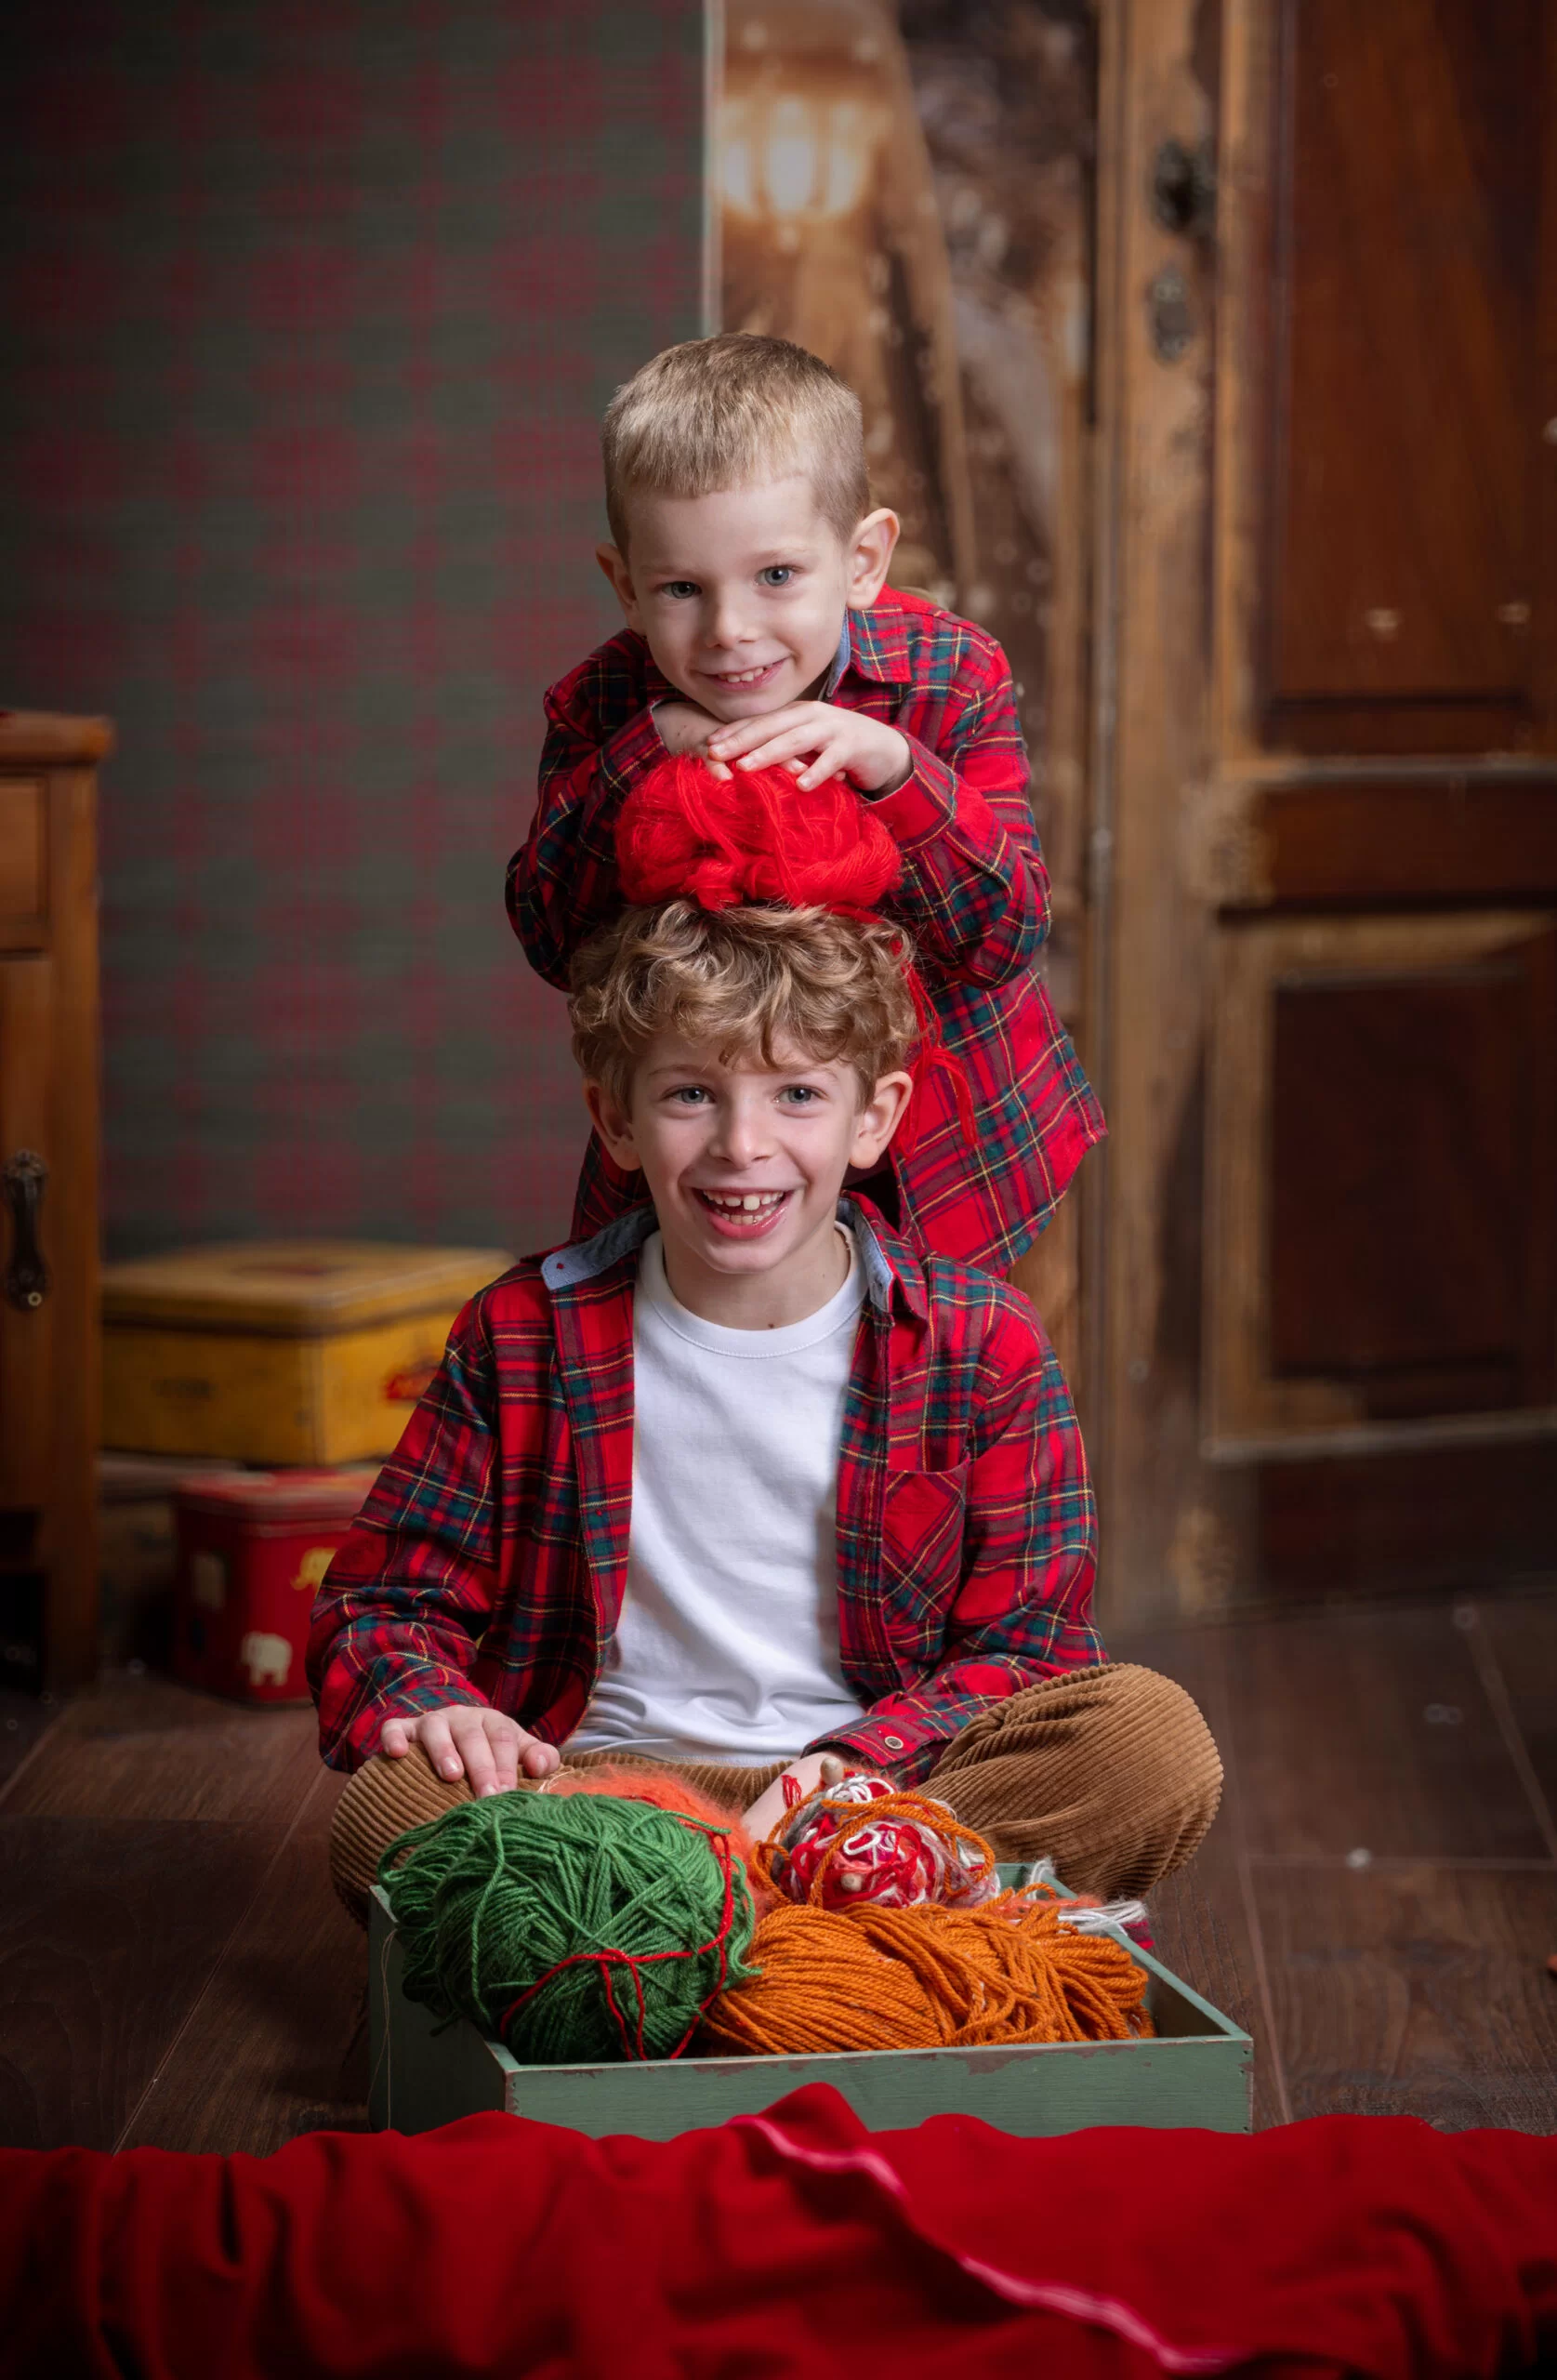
(794, 2243)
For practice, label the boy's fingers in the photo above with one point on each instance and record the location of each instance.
(800, 741)
(395, 1738)
(503, 1740)
(472, 1747)
(432, 1730)
(538, 1759)
(740, 735)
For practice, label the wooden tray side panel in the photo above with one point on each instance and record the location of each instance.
(1197, 2072)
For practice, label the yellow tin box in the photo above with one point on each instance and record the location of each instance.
(278, 1350)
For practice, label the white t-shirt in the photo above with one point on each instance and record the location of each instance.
(727, 1645)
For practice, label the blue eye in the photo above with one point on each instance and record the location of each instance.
(690, 1092)
(680, 589)
(778, 574)
(804, 1094)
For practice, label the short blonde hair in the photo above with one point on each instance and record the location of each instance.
(745, 982)
(731, 412)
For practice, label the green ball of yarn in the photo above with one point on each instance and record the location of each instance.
(580, 1928)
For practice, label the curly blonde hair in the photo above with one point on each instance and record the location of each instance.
(747, 982)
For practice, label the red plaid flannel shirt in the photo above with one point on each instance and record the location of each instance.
(974, 891)
(489, 1562)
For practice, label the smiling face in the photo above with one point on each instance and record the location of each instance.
(741, 594)
(745, 1163)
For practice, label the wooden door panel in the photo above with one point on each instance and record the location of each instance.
(1382, 1142)
(1407, 1217)
(1355, 843)
(1404, 571)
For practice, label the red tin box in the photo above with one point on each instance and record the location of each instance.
(253, 1550)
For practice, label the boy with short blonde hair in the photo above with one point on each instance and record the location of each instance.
(748, 1478)
(760, 632)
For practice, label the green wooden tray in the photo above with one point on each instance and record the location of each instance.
(1196, 2070)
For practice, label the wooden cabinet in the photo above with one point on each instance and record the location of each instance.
(48, 1170)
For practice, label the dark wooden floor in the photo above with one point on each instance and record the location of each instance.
(1376, 1902)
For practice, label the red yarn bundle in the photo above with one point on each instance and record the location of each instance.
(685, 834)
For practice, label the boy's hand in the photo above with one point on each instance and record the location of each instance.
(818, 741)
(770, 1804)
(471, 1740)
(683, 727)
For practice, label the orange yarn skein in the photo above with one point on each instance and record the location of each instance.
(926, 1977)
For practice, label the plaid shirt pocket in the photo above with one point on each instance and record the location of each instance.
(922, 1518)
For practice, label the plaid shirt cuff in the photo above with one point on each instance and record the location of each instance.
(924, 805)
(630, 753)
(904, 1750)
(437, 1692)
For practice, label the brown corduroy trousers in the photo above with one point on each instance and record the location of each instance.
(1110, 1772)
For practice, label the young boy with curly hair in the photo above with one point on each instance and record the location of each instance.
(751, 568)
(749, 1477)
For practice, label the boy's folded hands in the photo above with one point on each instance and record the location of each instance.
(815, 740)
(818, 741)
(473, 1740)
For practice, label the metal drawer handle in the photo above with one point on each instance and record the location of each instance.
(27, 1282)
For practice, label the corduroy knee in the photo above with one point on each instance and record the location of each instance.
(383, 1799)
(1110, 1772)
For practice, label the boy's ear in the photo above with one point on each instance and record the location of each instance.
(880, 1117)
(614, 1125)
(869, 556)
(613, 562)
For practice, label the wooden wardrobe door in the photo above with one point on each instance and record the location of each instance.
(1404, 605)
(1324, 1293)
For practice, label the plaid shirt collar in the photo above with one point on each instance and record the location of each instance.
(874, 644)
(889, 1263)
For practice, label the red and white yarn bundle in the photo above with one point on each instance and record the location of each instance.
(907, 1852)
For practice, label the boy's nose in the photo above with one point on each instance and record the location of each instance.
(724, 622)
(741, 1138)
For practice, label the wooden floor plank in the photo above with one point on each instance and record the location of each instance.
(1521, 1633)
(267, 2053)
(1414, 1990)
(1369, 1730)
(146, 1747)
(1200, 1918)
(24, 1721)
(109, 1930)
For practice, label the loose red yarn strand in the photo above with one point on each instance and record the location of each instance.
(718, 1844)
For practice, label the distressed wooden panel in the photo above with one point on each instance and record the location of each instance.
(1382, 1176)
(1406, 578)
(1359, 844)
(1408, 1227)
